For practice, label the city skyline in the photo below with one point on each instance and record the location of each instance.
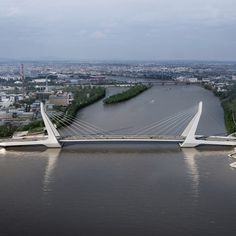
(118, 30)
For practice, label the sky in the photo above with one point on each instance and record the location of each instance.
(118, 29)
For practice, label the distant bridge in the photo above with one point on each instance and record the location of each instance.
(147, 82)
(187, 139)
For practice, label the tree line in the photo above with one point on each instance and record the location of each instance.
(126, 95)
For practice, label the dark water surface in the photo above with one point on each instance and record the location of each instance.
(123, 189)
(153, 105)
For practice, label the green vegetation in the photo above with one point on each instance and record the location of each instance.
(126, 95)
(221, 95)
(83, 97)
(6, 131)
(229, 106)
(35, 126)
(230, 114)
(228, 102)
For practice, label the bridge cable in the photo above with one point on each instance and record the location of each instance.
(163, 122)
(69, 122)
(179, 123)
(172, 125)
(88, 128)
(94, 126)
(74, 131)
(85, 124)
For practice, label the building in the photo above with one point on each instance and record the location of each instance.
(193, 80)
(61, 99)
(43, 95)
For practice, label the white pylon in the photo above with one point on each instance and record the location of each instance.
(190, 131)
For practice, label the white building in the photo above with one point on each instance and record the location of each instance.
(193, 80)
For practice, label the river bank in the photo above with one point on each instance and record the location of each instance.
(229, 107)
(82, 98)
(228, 102)
(126, 95)
(155, 104)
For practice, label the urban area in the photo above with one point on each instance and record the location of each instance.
(24, 85)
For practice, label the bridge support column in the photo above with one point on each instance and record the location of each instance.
(189, 132)
(53, 134)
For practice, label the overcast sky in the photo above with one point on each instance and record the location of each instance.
(118, 29)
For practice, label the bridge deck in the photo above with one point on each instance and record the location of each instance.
(201, 140)
(123, 138)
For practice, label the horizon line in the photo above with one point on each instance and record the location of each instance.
(114, 60)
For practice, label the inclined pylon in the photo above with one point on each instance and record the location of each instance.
(53, 134)
(190, 131)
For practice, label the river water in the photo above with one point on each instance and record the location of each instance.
(123, 189)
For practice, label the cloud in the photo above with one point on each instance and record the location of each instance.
(13, 11)
(124, 28)
(98, 35)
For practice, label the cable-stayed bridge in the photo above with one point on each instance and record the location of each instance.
(180, 128)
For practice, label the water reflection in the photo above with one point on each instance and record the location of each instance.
(48, 160)
(52, 155)
(190, 155)
(233, 155)
(27, 154)
(2, 151)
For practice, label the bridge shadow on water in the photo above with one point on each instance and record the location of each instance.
(36, 148)
(118, 148)
(141, 148)
(122, 147)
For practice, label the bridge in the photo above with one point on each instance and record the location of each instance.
(53, 138)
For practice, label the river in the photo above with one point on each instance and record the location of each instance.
(124, 189)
